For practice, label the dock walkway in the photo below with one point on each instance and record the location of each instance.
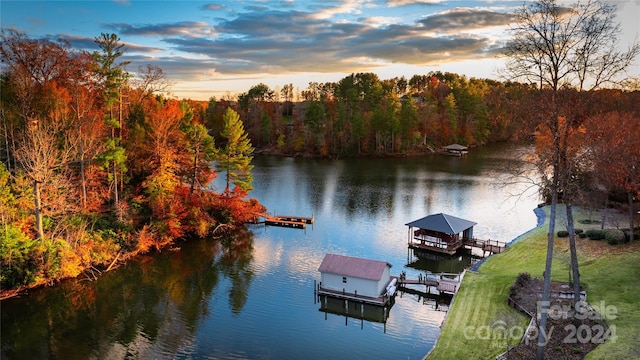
(443, 282)
(487, 246)
(298, 222)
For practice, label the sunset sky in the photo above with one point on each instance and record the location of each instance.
(225, 47)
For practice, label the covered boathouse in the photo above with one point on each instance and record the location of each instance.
(440, 233)
(455, 150)
(356, 279)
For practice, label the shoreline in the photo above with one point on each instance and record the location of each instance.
(483, 302)
(541, 218)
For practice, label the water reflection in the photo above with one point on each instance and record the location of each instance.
(112, 319)
(352, 188)
(252, 296)
(355, 310)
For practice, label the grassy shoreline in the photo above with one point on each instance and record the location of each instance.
(474, 327)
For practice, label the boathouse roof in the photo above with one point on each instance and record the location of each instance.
(455, 147)
(442, 223)
(353, 267)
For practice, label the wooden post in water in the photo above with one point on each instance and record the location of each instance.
(384, 319)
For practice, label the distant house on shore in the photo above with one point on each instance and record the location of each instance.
(350, 275)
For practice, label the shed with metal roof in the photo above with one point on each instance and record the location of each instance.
(351, 275)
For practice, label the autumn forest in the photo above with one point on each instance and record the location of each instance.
(100, 163)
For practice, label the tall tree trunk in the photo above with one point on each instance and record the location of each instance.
(38, 208)
(195, 171)
(116, 198)
(604, 212)
(630, 199)
(546, 291)
(84, 183)
(83, 179)
(6, 140)
(574, 256)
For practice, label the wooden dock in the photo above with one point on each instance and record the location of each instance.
(487, 246)
(382, 300)
(298, 222)
(443, 282)
(490, 246)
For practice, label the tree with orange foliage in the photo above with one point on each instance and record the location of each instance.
(164, 146)
(615, 154)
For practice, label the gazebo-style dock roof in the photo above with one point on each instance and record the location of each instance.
(455, 149)
(440, 232)
(443, 223)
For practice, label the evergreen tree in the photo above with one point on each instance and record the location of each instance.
(112, 77)
(235, 157)
(408, 121)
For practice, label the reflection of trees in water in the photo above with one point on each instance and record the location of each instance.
(149, 307)
(234, 264)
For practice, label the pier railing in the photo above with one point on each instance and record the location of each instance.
(492, 246)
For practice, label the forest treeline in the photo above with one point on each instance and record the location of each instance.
(362, 115)
(99, 164)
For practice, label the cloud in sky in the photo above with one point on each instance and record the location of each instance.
(214, 42)
(280, 41)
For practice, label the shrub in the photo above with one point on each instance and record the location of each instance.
(615, 236)
(17, 255)
(523, 280)
(582, 235)
(578, 231)
(563, 233)
(595, 234)
(627, 234)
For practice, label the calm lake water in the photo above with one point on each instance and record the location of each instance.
(251, 297)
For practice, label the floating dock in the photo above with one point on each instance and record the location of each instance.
(297, 222)
(382, 300)
(443, 282)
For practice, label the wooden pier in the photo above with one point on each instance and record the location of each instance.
(450, 248)
(490, 246)
(298, 222)
(381, 300)
(443, 282)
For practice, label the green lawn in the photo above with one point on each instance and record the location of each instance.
(474, 326)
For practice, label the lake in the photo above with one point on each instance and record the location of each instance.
(252, 296)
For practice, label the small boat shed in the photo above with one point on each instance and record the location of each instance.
(355, 277)
(440, 232)
(456, 150)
